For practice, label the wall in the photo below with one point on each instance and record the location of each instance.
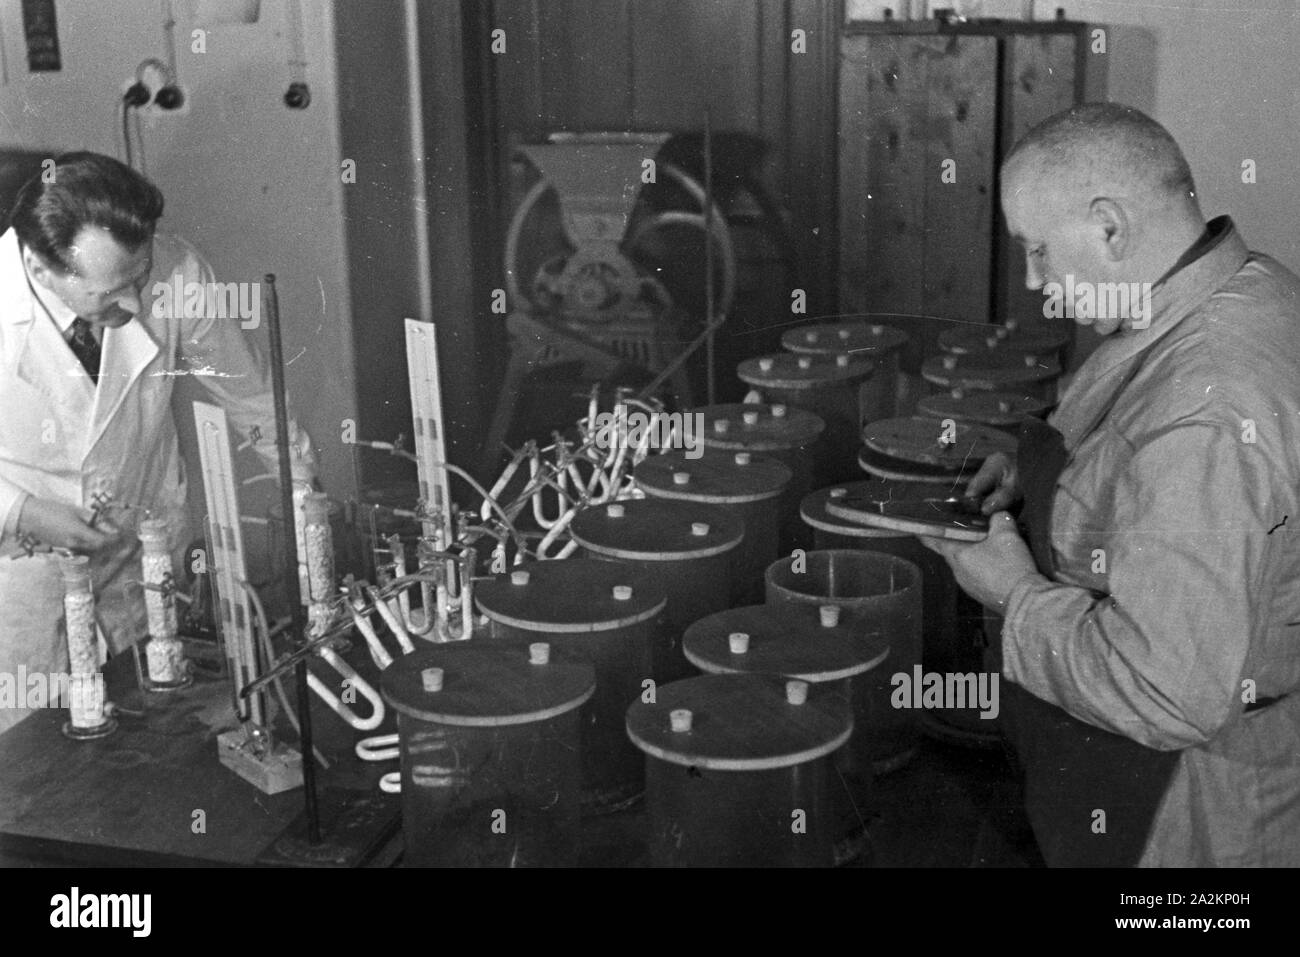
(252, 183)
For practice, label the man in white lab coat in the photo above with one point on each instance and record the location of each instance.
(91, 346)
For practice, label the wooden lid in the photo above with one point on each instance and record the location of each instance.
(983, 337)
(985, 408)
(775, 428)
(657, 529)
(486, 683)
(781, 642)
(916, 439)
(813, 507)
(988, 370)
(740, 723)
(718, 476)
(785, 370)
(573, 596)
(888, 468)
(936, 518)
(855, 337)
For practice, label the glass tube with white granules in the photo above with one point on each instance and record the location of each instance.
(300, 492)
(319, 546)
(86, 709)
(164, 652)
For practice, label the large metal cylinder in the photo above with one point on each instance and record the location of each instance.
(881, 344)
(690, 546)
(489, 744)
(784, 432)
(605, 613)
(877, 594)
(749, 485)
(738, 771)
(951, 623)
(830, 386)
(771, 639)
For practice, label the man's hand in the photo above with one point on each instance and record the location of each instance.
(998, 476)
(988, 570)
(64, 526)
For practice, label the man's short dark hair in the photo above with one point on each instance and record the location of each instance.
(1094, 135)
(86, 189)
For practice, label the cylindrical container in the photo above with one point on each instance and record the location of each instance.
(86, 717)
(994, 371)
(877, 594)
(862, 340)
(341, 536)
(489, 742)
(786, 433)
(606, 613)
(749, 485)
(974, 338)
(770, 639)
(951, 623)
(998, 410)
(164, 653)
(830, 386)
(738, 771)
(689, 545)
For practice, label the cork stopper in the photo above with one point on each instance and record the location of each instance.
(958, 394)
(681, 478)
(796, 692)
(805, 362)
(991, 341)
(765, 365)
(877, 330)
(615, 510)
(778, 410)
(738, 642)
(431, 678)
(810, 337)
(699, 529)
(1004, 406)
(622, 592)
(830, 615)
(519, 576)
(743, 458)
(950, 362)
(750, 418)
(1031, 361)
(679, 719)
(721, 425)
(838, 492)
(842, 361)
(539, 653)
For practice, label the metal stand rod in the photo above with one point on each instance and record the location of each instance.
(299, 627)
(708, 252)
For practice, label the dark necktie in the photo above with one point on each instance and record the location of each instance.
(85, 346)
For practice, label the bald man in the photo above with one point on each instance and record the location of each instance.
(1151, 642)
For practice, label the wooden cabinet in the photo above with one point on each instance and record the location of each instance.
(926, 113)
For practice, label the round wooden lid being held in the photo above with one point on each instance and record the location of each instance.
(813, 507)
(983, 337)
(486, 682)
(854, 337)
(785, 370)
(888, 468)
(573, 596)
(990, 371)
(740, 722)
(936, 515)
(759, 428)
(985, 408)
(926, 440)
(719, 476)
(770, 639)
(657, 529)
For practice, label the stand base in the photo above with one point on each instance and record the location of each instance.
(273, 773)
(102, 730)
(356, 829)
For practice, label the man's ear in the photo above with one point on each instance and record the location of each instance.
(1109, 216)
(38, 267)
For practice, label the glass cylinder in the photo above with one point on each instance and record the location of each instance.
(87, 705)
(164, 652)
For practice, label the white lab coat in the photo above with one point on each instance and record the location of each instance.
(64, 439)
